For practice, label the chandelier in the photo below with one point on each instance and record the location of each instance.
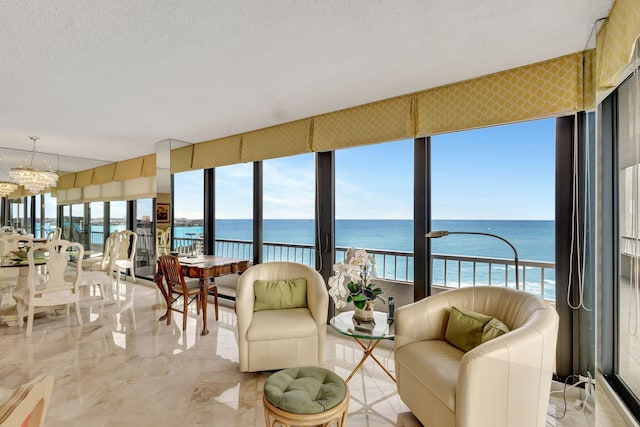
(7, 188)
(34, 180)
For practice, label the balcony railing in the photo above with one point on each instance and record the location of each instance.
(449, 271)
(455, 271)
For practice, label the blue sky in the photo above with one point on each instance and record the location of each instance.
(502, 172)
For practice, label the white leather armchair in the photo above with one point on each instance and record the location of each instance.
(285, 338)
(503, 382)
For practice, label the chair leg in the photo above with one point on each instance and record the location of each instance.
(29, 321)
(169, 309)
(133, 275)
(101, 287)
(78, 316)
(118, 281)
(185, 310)
(20, 309)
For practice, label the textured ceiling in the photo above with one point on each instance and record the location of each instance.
(108, 79)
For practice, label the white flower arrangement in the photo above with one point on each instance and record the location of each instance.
(357, 270)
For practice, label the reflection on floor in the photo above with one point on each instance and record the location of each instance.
(123, 367)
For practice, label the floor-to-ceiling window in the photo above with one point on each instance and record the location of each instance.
(97, 232)
(234, 211)
(374, 201)
(145, 247)
(117, 216)
(626, 366)
(66, 222)
(39, 230)
(50, 213)
(17, 213)
(501, 181)
(374, 210)
(188, 211)
(79, 229)
(45, 219)
(289, 209)
(28, 212)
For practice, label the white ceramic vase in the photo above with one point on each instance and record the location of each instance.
(365, 314)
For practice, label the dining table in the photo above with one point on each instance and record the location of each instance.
(206, 268)
(18, 260)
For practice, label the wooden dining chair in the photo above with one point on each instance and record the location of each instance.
(180, 287)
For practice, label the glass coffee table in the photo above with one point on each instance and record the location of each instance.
(381, 330)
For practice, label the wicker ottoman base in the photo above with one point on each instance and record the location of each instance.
(283, 416)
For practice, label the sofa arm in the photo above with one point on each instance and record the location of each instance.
(245, 300)
(422, 320)
(511, 371)
(318, 299)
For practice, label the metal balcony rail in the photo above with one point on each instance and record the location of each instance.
(536, 277)
(450, 271)
(630, 246)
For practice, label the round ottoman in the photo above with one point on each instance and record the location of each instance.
(305, 397)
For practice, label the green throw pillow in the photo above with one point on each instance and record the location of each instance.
(467, 329)
(279, 294)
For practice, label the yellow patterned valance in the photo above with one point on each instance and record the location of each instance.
(128, 169)
(218, 152)
(181, 159)
(615, 41)
(67, 181)
(284, 140)
(103, 174)
(19, 193)
(84, 178)
(149, 165)
(382, 121)
(545, 89)
(587, 80)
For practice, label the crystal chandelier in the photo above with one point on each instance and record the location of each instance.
(34, 180)
(7, 188)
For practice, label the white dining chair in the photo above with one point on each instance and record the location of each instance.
(55, 234)
(12, 245)
(127, 254)
(99, 263)
(53, 288)
(102, 273)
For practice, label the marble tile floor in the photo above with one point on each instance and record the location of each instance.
(123, 367)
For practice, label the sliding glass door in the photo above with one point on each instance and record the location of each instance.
(628, 236)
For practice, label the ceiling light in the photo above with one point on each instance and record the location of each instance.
(34, 180)
(7, 188)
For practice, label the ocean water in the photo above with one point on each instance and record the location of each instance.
(534, 241)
